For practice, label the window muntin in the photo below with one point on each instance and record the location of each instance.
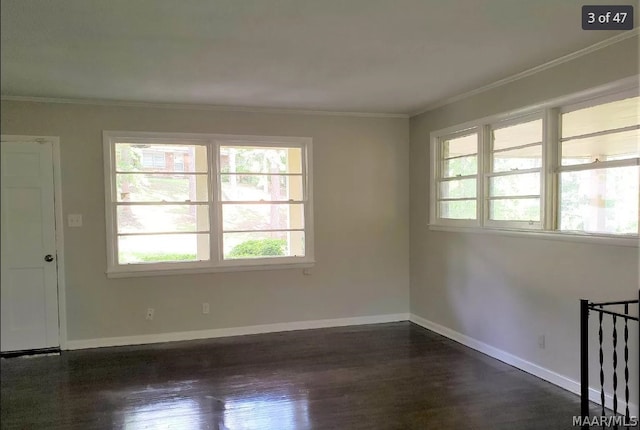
(605, 147)
(523, 158)
(458, 189)
(609, 116)
(516, 185)
(211, 204)
(572, 168)
(604, 132)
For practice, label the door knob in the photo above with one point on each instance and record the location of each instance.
(48, 258)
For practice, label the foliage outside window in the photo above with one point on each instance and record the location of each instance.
(185, 202)
(572, 168)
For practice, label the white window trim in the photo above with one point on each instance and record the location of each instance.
(216, 263)
(550, 112)
(436, 167)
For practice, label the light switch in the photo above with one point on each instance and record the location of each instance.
(74, 220)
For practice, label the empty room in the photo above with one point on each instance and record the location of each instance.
(329, 214)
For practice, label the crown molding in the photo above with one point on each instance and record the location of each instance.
(532, 71)
(195, 106)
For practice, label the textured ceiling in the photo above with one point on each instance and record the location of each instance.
(379, 56)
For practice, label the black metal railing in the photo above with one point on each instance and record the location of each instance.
(605, 309)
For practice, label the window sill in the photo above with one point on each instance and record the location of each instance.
(628, 241)
(136, 271)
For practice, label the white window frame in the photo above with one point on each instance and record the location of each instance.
(486, 144)
(436, 167)
(550, 112)
(216, 263)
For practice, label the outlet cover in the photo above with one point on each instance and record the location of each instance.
(74, 220)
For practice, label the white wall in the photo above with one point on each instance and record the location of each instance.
(361, 223)
(506, 291)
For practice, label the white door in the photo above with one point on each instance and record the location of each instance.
(28, 260)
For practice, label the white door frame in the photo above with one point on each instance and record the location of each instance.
(57, 192)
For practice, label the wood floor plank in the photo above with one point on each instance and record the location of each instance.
(383, 376)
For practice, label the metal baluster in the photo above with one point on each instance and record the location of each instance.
(626, 362)
(600, 314)
(584, 360)
(615, 369)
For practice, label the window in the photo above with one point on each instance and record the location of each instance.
(599, 172)
(262, 201)
(214, 203)
(457, 187)
(514, 179)
(570, 166)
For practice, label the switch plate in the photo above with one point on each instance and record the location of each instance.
(74, 220)
(205, 308)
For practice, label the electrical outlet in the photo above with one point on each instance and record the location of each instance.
(205, 308)
(74, 220)
(307, 271)
(150, 313)
(541, 341)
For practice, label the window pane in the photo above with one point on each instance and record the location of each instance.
(163, 248)
(460, 209)
(516, 135)
(526, 184)
(607, 116)
(262, 216)
(140, 157)
(458, 189)
(161, 188)
(245, 159)
(162, 219)
(465, 145)
(614, 146)
(261, 187)
(600, 200)
(523, 158)
(460, 166)
(514, 210)
(262, 244)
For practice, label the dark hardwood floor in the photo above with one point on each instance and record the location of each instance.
(384, 376)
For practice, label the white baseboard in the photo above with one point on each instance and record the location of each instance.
(534, 369)
(232, 331)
